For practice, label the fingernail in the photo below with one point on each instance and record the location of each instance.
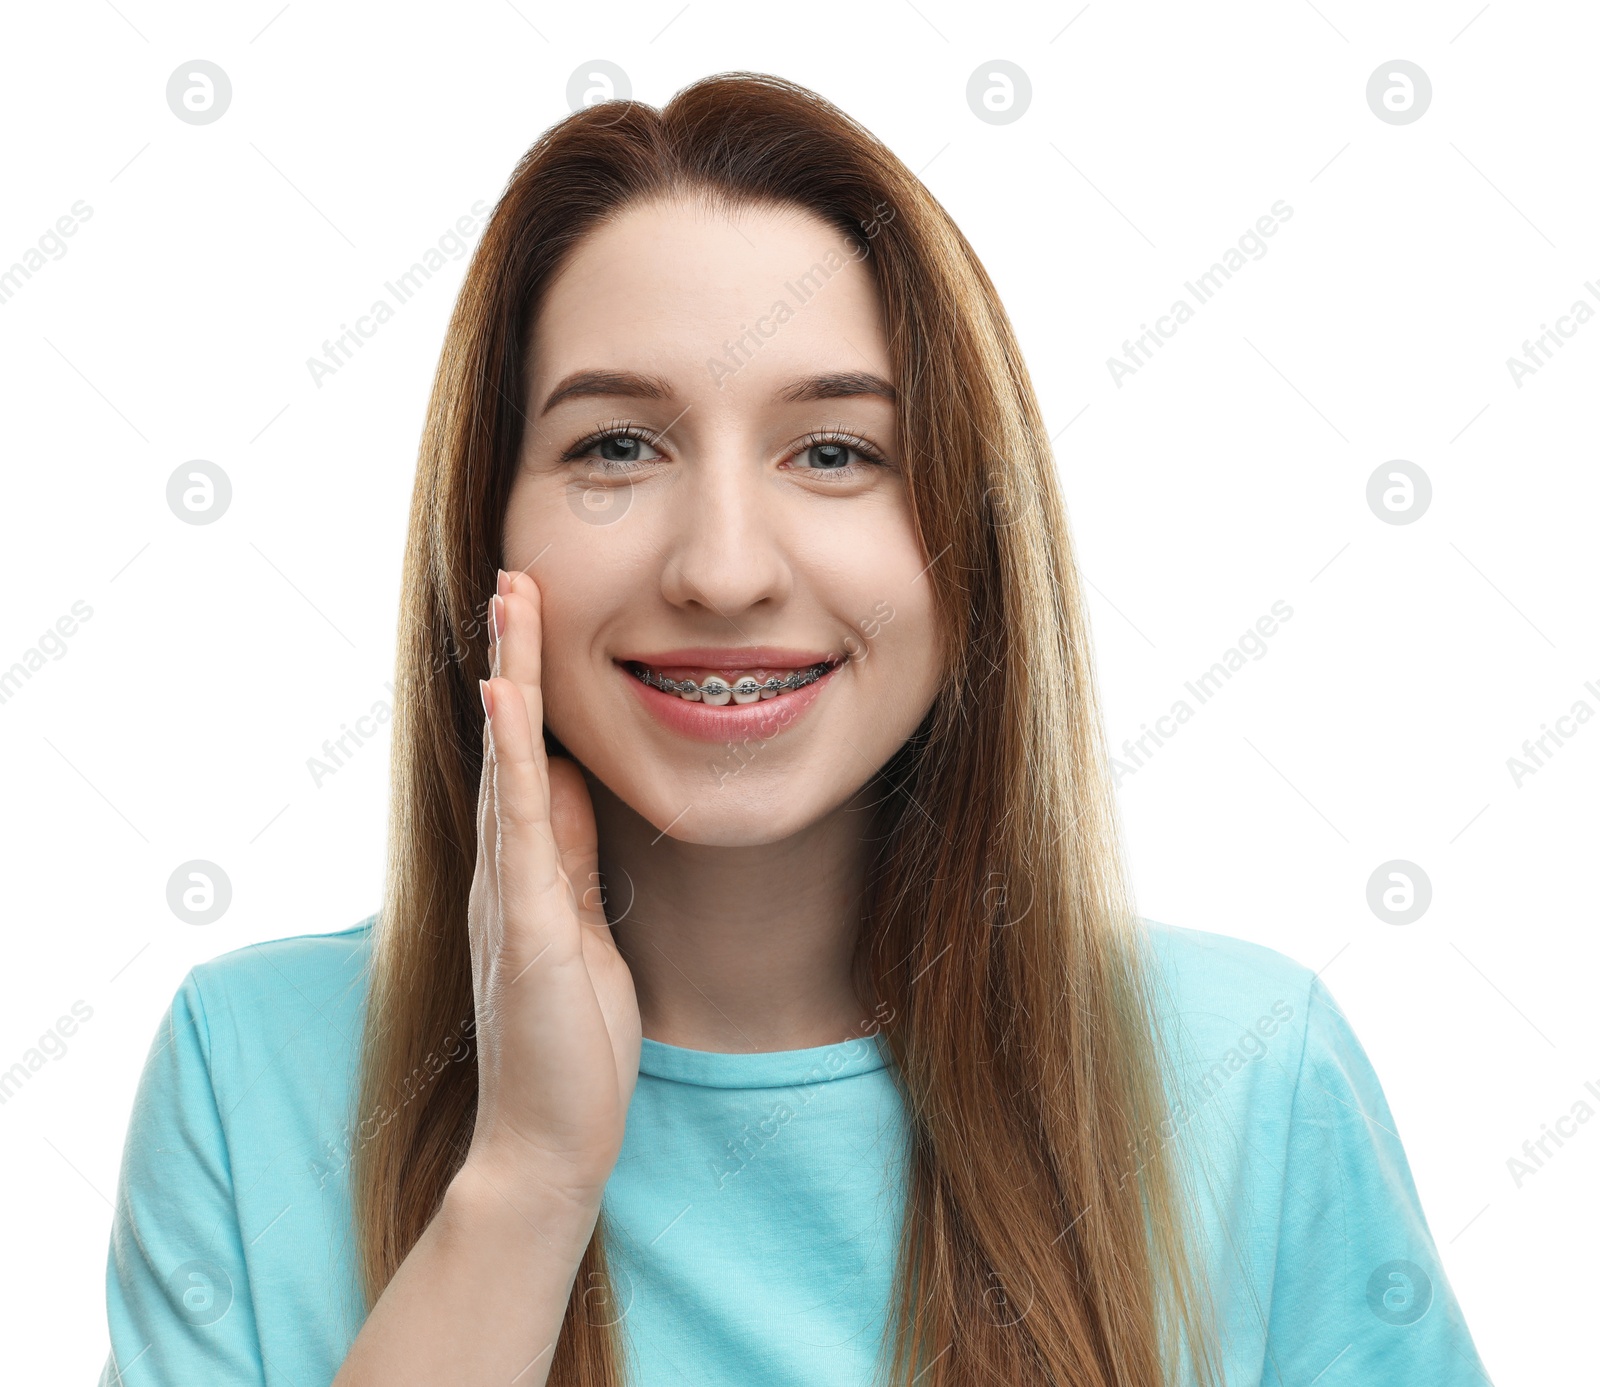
(502, 581)
(497, 618)
(488, 699)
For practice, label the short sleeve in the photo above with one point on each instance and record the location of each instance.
(1359, 1296)
(178, 1304)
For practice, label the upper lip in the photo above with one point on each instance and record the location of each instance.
(732, 657)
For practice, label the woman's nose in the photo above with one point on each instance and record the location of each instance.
(726, 546)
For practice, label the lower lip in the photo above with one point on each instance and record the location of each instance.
(765, 718)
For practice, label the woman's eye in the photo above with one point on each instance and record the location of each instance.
(831, 457)
(620, 449)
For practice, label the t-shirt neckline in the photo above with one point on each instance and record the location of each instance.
(843, 1059)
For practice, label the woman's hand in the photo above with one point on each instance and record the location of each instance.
(557, 1017)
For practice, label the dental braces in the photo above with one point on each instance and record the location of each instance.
(747, 685)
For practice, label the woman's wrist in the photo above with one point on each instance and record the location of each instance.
(494, 1198)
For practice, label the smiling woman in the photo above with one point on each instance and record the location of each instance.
(853, 1067)
(748, 524)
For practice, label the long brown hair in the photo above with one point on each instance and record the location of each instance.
(1046, 1236)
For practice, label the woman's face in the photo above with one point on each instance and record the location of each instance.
(710, 485)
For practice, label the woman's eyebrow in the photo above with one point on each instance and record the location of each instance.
(626, 383)
(837, 385)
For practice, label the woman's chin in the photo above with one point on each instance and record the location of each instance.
(689, 804)
(761, 810)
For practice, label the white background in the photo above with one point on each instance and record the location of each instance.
(1227, 474)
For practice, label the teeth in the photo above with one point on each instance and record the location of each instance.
(718, 692)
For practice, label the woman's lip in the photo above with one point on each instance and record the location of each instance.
(731, 657)
(732, 722)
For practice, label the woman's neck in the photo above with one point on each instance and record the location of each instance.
(738, 948)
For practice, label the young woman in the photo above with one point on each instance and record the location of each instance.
(756, 996)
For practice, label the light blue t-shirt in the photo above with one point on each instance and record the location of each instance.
(754, 1211)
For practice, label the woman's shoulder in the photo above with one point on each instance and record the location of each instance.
(1262, 1060)
(1216, 983)
(234, 1183)
(264, 1043)
(274, 1014)
(1305, 1195)
(1243, 1023)
(325, 972)
(314, 957)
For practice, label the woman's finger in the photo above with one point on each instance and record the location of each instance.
(534, 901)
(482, 913)
(521, 652)
(577, 846)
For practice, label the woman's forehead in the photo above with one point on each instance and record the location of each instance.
(700, 296)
